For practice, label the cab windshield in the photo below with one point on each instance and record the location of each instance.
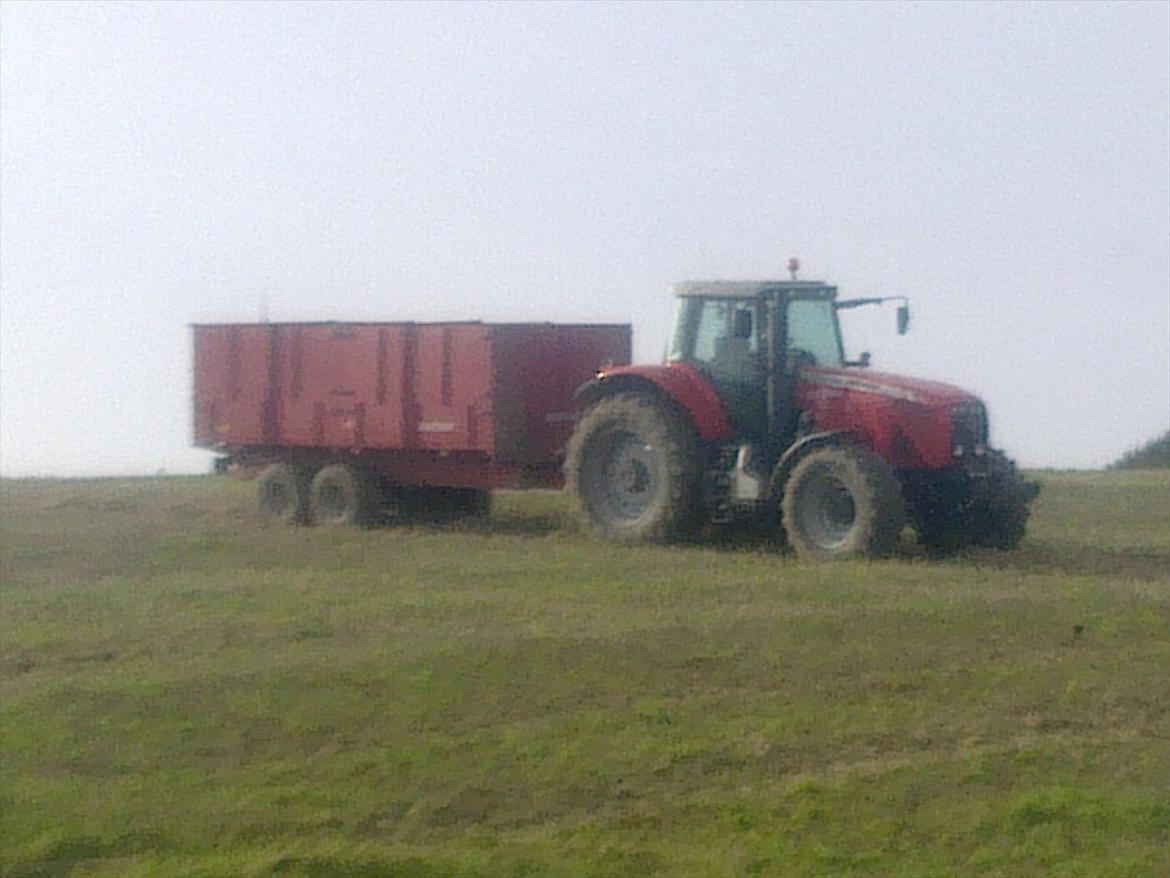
(812, 331)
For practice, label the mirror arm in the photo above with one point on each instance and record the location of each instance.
(873, 300)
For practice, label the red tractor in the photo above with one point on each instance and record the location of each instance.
(756, 415)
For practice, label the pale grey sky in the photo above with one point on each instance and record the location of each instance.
(1007, 166)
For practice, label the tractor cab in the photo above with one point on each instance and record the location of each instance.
(750, 339)
(726, 328)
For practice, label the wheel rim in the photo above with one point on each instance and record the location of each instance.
(278, 500)
(332, 501)
(627, 480)
(826, 510)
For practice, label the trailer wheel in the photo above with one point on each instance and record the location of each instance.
(842, 502)
(283, 493)
(632, 470)
(341, 494)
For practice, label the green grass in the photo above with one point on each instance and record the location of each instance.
(186, 691)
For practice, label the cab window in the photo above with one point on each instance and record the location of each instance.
(812, 331)
(727, 339)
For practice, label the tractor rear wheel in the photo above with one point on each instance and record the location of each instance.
(283, 493)
(632, 470)
(342, 494)
(842, 502)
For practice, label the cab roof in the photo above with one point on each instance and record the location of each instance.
(753, 289)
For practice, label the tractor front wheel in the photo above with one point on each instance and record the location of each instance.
(632, 470)
(842, 502)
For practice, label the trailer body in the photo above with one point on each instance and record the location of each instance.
(446, 404)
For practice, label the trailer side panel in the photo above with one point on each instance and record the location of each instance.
(502, 391)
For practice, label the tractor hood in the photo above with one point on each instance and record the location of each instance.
(913, 424)
(884, 384)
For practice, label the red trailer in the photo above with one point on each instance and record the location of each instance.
(349, 417)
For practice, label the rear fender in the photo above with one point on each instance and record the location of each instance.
(803, 446)
(676, 382)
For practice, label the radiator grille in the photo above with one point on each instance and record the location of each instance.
(968, 426)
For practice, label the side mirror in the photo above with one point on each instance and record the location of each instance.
(903, 319)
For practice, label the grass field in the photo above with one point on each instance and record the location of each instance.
(186, 691)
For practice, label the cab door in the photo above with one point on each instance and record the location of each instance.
(730, 348)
